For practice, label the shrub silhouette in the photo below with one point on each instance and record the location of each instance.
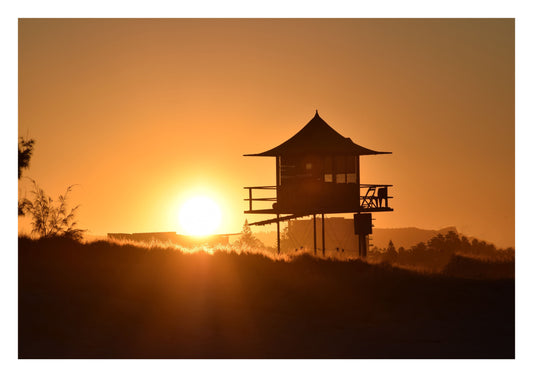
(50, 219)
(25, 152)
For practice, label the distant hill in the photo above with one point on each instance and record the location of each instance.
(405, 237)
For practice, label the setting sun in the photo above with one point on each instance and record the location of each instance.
(199, 216)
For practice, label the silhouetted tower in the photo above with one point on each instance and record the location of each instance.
(318, 172)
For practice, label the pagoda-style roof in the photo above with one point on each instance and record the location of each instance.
(318, 137)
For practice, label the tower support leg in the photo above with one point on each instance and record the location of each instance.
(277, 228)
(323, 237)
(362, 246)
(314, 234)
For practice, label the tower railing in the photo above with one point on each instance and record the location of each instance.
(375, 197)
(251, 199)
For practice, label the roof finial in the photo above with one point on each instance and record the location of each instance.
(316, 114)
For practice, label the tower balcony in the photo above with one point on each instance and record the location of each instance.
(328, 198)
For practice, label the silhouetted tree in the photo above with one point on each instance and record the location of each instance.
(25, 152)
(391, 255)
(402, 252)
(437, 243)
(53, 220)
(373, 252)
(439, 250)
(419, 248)
(288, 243)
(452, 241)
(465, 245)
(247, 239)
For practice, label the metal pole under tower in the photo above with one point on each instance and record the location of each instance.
(314, 233)
(323, 238)
(277, 225)
(362, 246)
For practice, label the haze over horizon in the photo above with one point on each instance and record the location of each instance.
(144, 114)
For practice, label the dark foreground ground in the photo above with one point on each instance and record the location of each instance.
(109, 301)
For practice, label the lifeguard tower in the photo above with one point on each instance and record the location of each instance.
(318, 172)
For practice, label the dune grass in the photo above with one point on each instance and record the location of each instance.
(120, 300)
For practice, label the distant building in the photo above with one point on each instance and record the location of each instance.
(339, 235)
(173, 237)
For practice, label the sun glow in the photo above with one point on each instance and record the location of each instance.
(199, 216)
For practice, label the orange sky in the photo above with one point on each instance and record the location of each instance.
(142, 114)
